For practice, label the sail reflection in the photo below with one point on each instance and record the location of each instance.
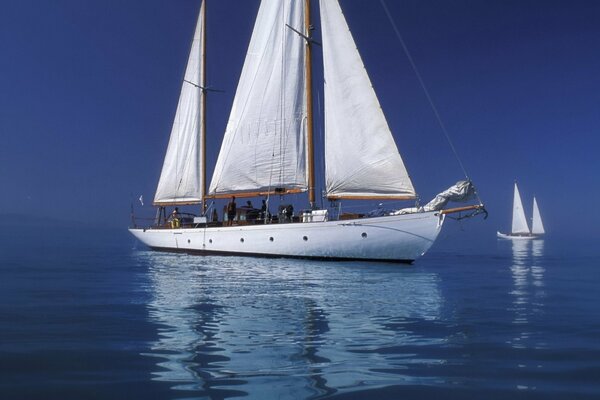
(537, 268)
(528, 289)
(385, 330)
(288, 329)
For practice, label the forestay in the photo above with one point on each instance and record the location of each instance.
(264, 146)
(361, 157)
(519, 222)
(180, 181)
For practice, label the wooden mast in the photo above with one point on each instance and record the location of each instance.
(203, 106)
(309, 106)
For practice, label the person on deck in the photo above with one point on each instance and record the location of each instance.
(251, 212)
(263, 210)
(175, 218)
(231, 211)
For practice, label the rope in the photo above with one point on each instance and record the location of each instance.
(422, 83)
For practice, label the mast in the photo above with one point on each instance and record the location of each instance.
(203, 107)
(309, 106)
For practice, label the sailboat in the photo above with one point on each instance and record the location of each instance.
(267, 150)
(520, 227)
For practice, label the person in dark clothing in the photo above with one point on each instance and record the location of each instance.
(231, 211)
(263, 210)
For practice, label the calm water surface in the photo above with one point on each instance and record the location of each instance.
(107, 319)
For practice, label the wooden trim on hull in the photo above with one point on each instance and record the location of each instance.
(265, 255)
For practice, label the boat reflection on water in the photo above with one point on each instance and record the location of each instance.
(528, 290)
(183, 328)
(286, 328)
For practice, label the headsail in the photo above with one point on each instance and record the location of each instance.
(361, 157)
(180, 179)
(519, 222)
(264, 146)
(537, 227)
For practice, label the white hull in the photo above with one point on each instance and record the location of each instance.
(400, 238)
(517, 237)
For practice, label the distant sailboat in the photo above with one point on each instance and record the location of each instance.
(520, 227)
(267, 150)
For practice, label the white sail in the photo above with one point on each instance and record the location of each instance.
(180, 179)
(519, 222)
(537, 227)
(361, 157)
(264, 146)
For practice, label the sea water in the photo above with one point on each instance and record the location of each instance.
(89, 313)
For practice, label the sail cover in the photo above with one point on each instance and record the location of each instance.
(519, 222)
(460, 192)
(264, 146)
(361, 157)
(537, 227)
(180, 181)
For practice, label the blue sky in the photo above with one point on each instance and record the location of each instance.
(88, 90)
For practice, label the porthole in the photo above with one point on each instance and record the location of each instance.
(271, 239)
(242, 240)
(305, 238)
(209, 240)
(364, 235)
(189, 241)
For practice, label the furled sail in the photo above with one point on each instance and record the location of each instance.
(180, 179)
(537, 227)
(264, 146)
(460, 192)
(361, 157)
(519, 222)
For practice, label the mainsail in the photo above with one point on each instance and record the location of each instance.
(519, 222)
(361, 157)
(537, 228)
(264, 146)
(180, 179)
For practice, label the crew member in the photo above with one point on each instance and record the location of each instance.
(231, 211)
(175, 218)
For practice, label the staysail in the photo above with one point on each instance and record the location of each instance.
(519, 222)
(361, 157)
(264, 146)
(180, 178)
(537, 227)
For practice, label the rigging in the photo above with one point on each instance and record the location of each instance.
(426, 91)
